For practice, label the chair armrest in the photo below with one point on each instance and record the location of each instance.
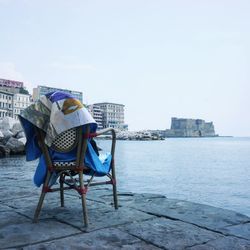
(106, 131)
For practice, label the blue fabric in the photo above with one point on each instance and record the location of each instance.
(94, 163)
(32, 149)
(33, 152)
(58, 96)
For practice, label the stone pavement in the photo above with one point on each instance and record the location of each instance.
(143, 221)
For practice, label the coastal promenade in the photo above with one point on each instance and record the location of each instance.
(143, 221)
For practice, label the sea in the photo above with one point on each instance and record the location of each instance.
(213, 171)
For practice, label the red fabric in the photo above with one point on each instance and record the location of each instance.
(78, 169)
(89, 135)
(50, 168)
(112, 181)
(47, 189)
(82, 191)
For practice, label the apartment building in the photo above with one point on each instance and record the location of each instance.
(96, 112)
(12, 100)
(113, 115)
(20, 102)
(6, 104)
(42, 90)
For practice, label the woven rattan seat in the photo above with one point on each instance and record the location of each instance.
(65, 141)
(64, 164)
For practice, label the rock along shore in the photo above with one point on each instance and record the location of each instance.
(143, 221)
(139, 136)
(12, 137)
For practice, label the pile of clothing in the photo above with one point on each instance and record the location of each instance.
(55, 113)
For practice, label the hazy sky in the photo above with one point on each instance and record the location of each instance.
(161, 59)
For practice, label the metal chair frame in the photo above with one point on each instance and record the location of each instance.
(65, 172)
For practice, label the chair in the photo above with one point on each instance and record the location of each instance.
(76, 138)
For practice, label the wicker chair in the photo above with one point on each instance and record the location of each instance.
(65, 142)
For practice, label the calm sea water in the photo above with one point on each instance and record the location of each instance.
(213, 171)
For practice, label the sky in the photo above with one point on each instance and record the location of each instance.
(160, 58)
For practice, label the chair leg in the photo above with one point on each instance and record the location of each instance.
(62, 190)
(115, 195)
(39, 206)
(84, 206)
(114, 184)
(84, 203)
(41, 199)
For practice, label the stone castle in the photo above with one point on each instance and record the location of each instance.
(181, 127)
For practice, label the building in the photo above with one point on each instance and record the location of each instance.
(96, 112)
(6, 104)
(13, 98)
(10, 89)
(12, 104)
(42, 90)
(10, 83)
(112, 115)
(20, 102)
(14, 87)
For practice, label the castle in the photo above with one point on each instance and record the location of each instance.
(181, 127)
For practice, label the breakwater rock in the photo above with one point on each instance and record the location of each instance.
(182, 127)
(12, 137)
(138, 136)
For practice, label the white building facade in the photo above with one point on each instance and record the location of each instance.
(20, 102)
(97, 114)
(6, 104)
(113, 115)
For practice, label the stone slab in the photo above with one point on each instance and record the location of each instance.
(101, 195)
(102, 239)
(4, 208)
(223, 243)
(124, 198)
(10, 218)
(202, 215)
(105, 195)
(169, 234)
(17, 234)
(9, 192)
(241, 230)
(128, 198)
(51, 205)
(27, 205)
(102, 218)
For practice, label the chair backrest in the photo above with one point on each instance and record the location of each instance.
(66, 141)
